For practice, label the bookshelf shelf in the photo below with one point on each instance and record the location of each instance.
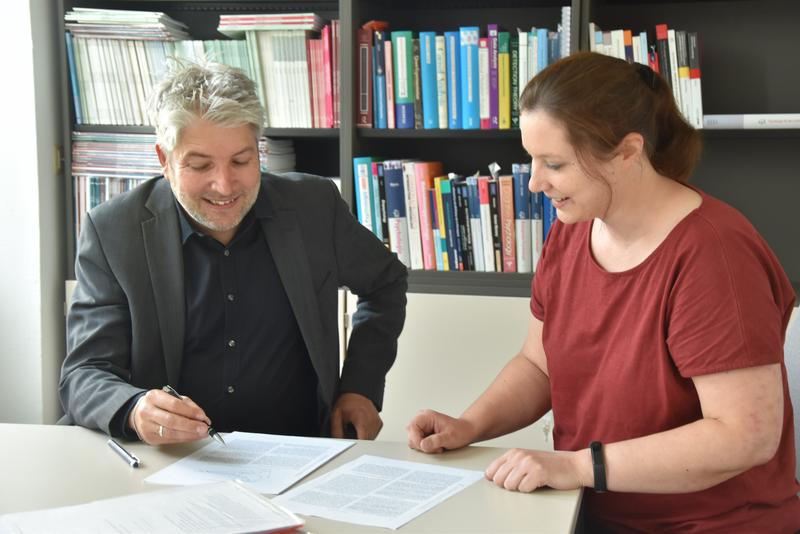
(375, 133)
(788, 133)
(322, 133)
(470, 283)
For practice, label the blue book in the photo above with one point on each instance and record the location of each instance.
(376, 177)
(521, 173)
(362, 187)
(73, 78)
(453, 54)
(396, 210)
(379, 79)
(403, 71)
(542, 51)
(549, 216)
(427, 57)
(450, 225)
(470, 96)
(474, 203)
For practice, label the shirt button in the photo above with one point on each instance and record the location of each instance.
(231, 297)
(227, 252)
(231, 343)
(231, 389)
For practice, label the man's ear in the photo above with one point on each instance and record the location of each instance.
(163, 160)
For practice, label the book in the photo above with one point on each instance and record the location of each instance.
(453, 55)
(514, 74)
(417, 85)
(412, 214)
(494, 88)
(362, 176)
(364, 50)
(673, 67)
(483, 81)
(497, 237)
(441, 81)
(486, 224)
(693, 50)
(522, 216)
(430, 96)
(503, 81)
(396, 210)
(662, 53)
(505, 184)
(441, 222)
(380, 215)
(470, 83)
(537, 229)
(684, 82)
(424, 172)
(379, 79)
(760, 121)
(476, 232)
(403, 68)
(389, 85)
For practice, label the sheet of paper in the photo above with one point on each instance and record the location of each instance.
(219, 508)
(267, 462)
(377, 491)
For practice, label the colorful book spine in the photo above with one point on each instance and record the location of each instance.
(684, 78)
(381, 202)
(503, 81)
(430, 99)
(486, 224)
(378, 215)
(662, 51)
(363, 187)
(476, 233)
(464, 236)
(389, 85)
(327, 76)
(497, 238)
(483, 88)
(379, 79)
(441, 220)
(396, 208)
(537, 229)
(402, 47)
(412, 214)
(507, 235)
(693, 49)
(453, 250)
(470, 82)
(441, 261)
(514, 74)
(494, 86)
(417, 84)
(425, 171)
(364, 42)
(522, 216)
(73, 78)
(453, 55)
(441, 81)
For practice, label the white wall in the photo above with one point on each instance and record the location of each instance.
(450, 350)
(31, 214)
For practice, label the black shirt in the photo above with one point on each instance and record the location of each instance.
(244, 360)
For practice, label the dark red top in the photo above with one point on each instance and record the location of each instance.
(622, 348)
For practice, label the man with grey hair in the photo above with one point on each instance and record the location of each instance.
(222, 282)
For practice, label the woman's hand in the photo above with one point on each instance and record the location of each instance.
(526, 470)
(435, 432)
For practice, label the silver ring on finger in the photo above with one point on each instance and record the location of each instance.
(160, 431)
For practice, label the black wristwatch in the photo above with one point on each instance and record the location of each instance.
(599, 466)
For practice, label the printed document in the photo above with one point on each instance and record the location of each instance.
(266, 462)
(219, 508)
(377, 491)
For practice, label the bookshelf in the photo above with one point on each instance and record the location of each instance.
(755, 170)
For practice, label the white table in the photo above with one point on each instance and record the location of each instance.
(44, 466)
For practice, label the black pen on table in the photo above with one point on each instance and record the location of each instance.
(123, 453)
(211, 432)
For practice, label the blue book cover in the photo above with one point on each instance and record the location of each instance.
(453, 70)
(376, 175)
(449, 224)
(521, 175)
(542, 51)
(379, 79)
(470, 96)
(73, 78)
(362, 188)
(427, 57)
(474, 204)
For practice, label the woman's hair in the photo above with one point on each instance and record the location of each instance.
(217, 93)
(600, 99)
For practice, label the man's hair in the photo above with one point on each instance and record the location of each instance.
(218, 93)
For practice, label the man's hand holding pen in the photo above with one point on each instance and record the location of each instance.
(159, 417)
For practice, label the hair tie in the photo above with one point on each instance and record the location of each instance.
(646, 74)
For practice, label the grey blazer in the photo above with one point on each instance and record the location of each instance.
(125, 328)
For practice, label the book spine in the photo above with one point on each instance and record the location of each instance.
(509, 248)
(335, 71)
(693, 50)
(364, 40)
(412, 214)
(514, 74)
(435, 232)
(494, 82)
(327, 77)
(497, 238)
(441, 81)
(424, 172)
(396, 208)
(417, 86)
(470, 84)
(758, 121)
(73, 78)
(390, 108)
(430, 99)
(383, 213)
(376, 177)
(537, 229)
(441, 224)
(522, 216)
(483, 77)
(522, 67)
(402, 47)
(448, 210)
(673, 68)
(453, 54)
(362, 176)
(503, 81)
(662, 50)
(379, 79)
(476, 233)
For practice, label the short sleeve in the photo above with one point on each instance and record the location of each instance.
(541, 279)
(726, 305)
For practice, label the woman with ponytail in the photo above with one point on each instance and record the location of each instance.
(657, 328)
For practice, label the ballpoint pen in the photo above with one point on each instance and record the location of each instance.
(129, 458)
(211, 432)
